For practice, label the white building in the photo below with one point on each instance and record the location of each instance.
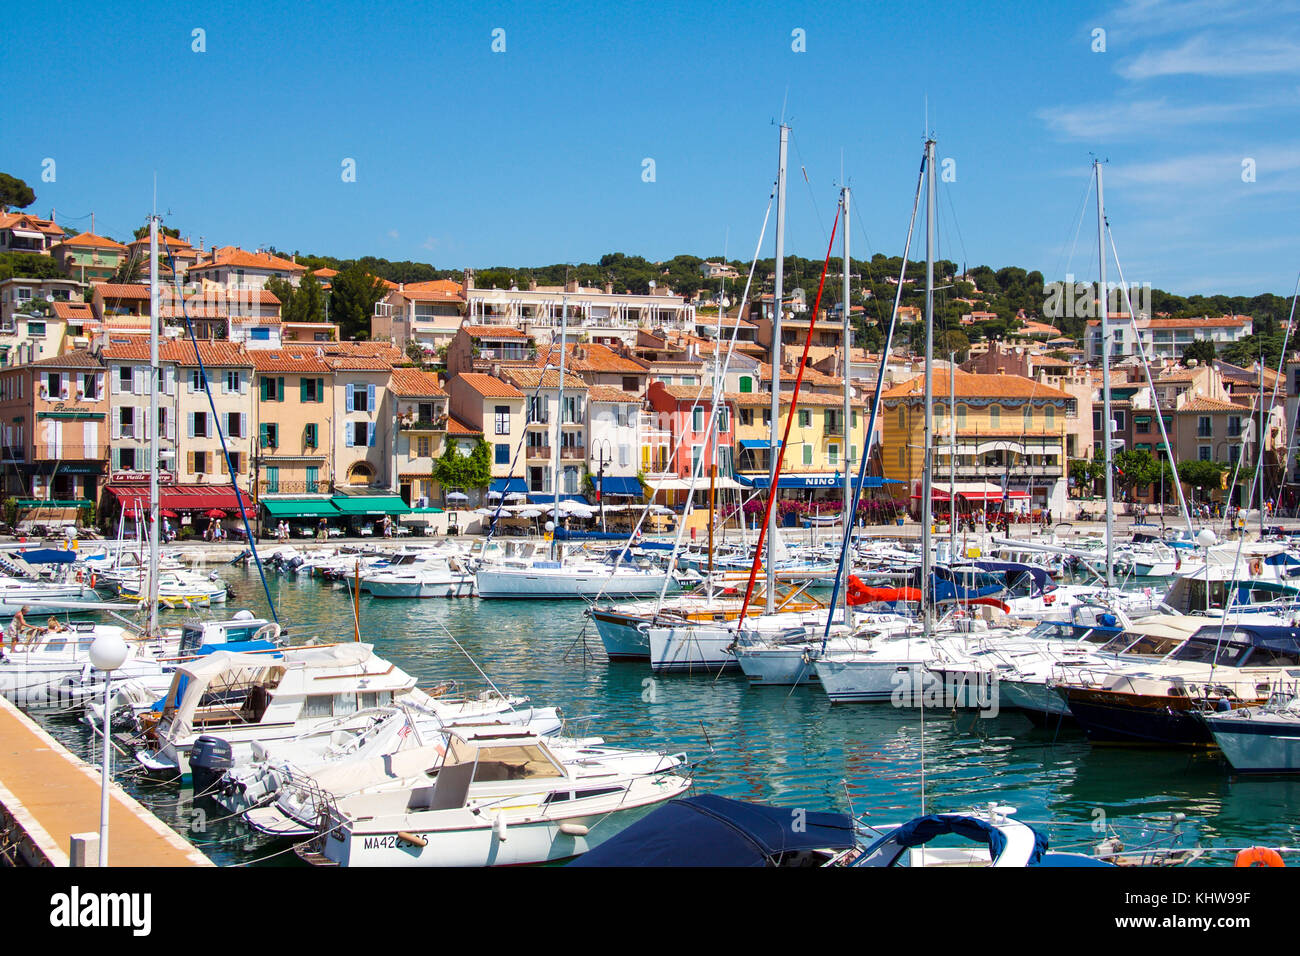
(1164, 338)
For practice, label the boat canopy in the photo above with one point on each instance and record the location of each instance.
(709, 830)
(918, 832)
(47, 556)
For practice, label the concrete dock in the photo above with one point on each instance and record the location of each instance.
(47, 794)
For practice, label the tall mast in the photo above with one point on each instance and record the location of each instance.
(1103, 301)
(778, 291)
(952, 456)
(153, 424)
(927, 480)
(559, 426)
(847, 340)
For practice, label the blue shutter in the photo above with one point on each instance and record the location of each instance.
(348, 432)
(370, 399)
(370, 431)
(351, 388)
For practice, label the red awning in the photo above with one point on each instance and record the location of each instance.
(180, 498)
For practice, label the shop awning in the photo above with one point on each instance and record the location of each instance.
(181, 498)
(350, 505)
(509, 486)
(832, 480)
(299, 508)
(549, 497)
(52, 502)
(756, 443)
(617, 485)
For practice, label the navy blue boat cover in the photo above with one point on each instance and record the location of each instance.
(709, 830)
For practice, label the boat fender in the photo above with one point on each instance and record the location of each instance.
(1256, 566)
(499, 828)
(1259, 856)
(412, 838)
(572, 829)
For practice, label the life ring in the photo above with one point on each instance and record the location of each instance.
(1259, 856)
(1256, 566)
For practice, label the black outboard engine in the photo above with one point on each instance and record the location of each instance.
(210, 758)
(242, 557)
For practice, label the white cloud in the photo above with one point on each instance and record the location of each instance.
(1210, 55)
(392, 233)
(1219, 170)
(1137, 119)
(429, 243)
(1176, 16)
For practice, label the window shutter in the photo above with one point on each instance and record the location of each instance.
(189, 462)
(137, 381)
(370, 399)
(116, 431)
(169, 380)
(370, 433)
(348, 432)
(279, 389)
(221, 463)
(351, 390)
(117, 380)
(140, 431)
(302, 390)
(261, 384)
(243, 424)
(261, 435)
(320, 390)
(171, 428)
(189, 418)
(243, 382)
(144, 459)
(115, 459)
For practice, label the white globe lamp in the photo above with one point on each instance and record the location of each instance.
(1206, 538)
(107, 653)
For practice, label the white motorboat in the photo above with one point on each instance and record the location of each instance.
(498, 799)
(420, 576)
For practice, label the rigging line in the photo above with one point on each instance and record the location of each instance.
(1078, 226)
(956, 226)
(1256, 481)
(697, 466)
(789, 420)
(875, 406)
(221, 432)
(803, 167)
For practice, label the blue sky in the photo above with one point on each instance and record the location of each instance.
(535, 155)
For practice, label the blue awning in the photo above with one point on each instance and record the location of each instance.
(813, 481)
(509, 486)
(549, 498)
(614, 485)
(752, 443)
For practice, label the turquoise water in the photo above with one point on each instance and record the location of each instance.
(766, 744)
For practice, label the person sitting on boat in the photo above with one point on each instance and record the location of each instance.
(53, 626)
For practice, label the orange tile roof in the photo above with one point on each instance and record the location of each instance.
(1211, 405)
(365, 349)
(528, 377)
(358, 363)
(235, 257)
(590, 358)
(970, 385)
(73, 310)
(487, 386)
(764, 399)
(22, 220)
(165, 241)
(325, 273)
(81, 358)
(607, 393)
(92, 241)
(121, 290)
(288, 359)
(447, 286)
(493, 332)
(428, 295)
(213, 354)
(456, 427)
(689, 393)
(414, 383)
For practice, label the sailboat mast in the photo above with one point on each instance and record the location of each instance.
(952, 456)
(778, 290)
(559, 426)
(1103, 302)
(153, 425)
(846, 339)
(927, 479)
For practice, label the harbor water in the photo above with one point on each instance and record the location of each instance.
(789, 747)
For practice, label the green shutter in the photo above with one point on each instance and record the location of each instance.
(263, 383)
(280, 388)
(262, 433)
(320, 390)
(302, 390)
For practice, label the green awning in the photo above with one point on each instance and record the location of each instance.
(427, 511)
(370, 505)
(76, 416)
(299, 508)
(55, 503)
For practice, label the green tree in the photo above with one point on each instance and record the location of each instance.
(1202, 475)
(1203, 350)
(953, 340)
(454, 470)
(1135, 469)
(353, 294)
(131, 269)
(14, 192)
(143, 231)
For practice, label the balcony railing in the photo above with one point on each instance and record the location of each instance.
(535, 452)
(265, 487)
(424, 424)
(573, 452)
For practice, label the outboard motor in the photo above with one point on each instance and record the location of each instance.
(210, 758)
(242, 557)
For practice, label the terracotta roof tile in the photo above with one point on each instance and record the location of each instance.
(607, 393)
(234, 257)
(969, 385)
(91, 241)
(74, 310)
(528, 377)
(590, 358)
(289, 359)
(414, 383)
(456, 427)
(489, 387)
(493, 332)
(81, 358)
(1211, 405)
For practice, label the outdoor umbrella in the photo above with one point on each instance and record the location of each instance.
(170, 514)
(215, 513)
(516, 496)
(457, 496)
(530, 513)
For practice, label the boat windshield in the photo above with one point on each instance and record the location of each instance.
(513, 762)
(1142, 645)
(1053, 631)
(1209, 651)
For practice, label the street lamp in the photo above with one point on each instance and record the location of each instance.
(1207, 539)
(107, 653)
(603, 444)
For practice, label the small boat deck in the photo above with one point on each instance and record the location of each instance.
(47, 794)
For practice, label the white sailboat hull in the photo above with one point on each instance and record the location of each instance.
(567, 582)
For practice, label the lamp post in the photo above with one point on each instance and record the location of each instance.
(604, 445)
(107, 654)
(1207, 539)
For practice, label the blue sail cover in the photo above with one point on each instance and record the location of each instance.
(709, 830)
(47, 556)
(1012, 569)
(918, 832)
